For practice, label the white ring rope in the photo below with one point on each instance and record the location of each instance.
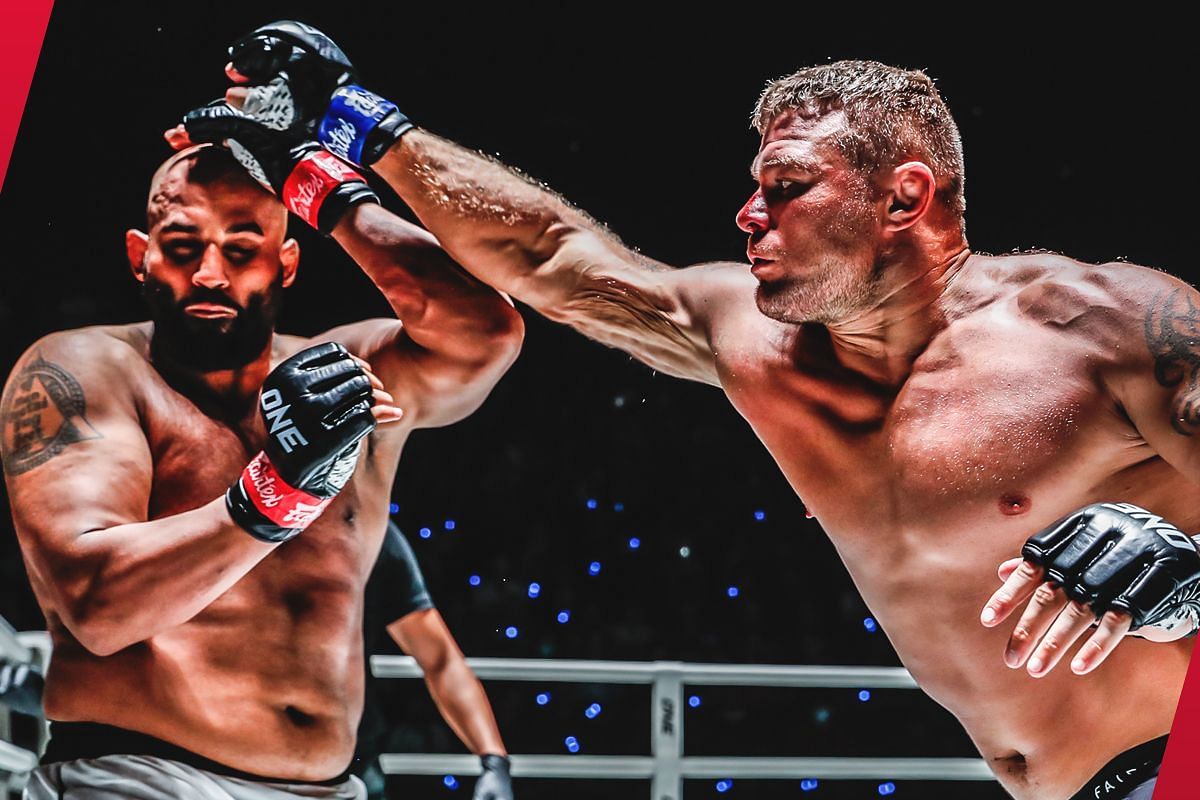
(668, 766)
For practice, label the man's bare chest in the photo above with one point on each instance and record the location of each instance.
(977, 428)
(197, 457)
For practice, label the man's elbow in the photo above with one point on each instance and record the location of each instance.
(95, 623)
(497, 338)
(507, 332)
(97, 634)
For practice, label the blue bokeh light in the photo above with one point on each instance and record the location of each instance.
(594, 568)
(864, 695)
(760, 515)
(694, 701)
(474, 580)
(618, 507)
(591, 503)
(572, 744)
(634, 543)
(887, 788)
(808, 784)
(450, 781)
(732, 591)
(563, 617)
(592, 711)
(535, 589)
(724, 785)
(394, 508)
(870, 624)
(511, 632)
(449, 524)
(425, 533)
(543, 698)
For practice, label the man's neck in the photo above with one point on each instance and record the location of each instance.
(884, 340)
(228, 394)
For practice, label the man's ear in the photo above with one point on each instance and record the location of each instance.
(136, 244)
(289, 258)
(910, 195)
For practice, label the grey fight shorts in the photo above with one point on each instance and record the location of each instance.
(153, 778)
(89, 761)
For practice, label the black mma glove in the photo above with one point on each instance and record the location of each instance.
(317, 408)
(312, 184)
(494, 783)
(1118, 556)
(303, 83)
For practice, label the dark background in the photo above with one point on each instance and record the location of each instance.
(1075, 140)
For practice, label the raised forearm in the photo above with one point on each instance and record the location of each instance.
(443, 308)
(464, 705)
(127, 583)
(500, 225)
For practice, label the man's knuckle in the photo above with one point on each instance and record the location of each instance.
(1080, 609)
(1045, 594)
(1028, 569)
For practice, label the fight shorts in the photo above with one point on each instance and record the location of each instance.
(87, 761)
(1129, 776)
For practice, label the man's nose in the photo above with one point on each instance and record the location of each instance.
(211, 273)
(753, 216)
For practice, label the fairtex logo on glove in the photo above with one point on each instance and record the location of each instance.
(314, 177)
(284, 505)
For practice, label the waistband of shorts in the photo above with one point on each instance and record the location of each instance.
(77, 741)
(1123, 774)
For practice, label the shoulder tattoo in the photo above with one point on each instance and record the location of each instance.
(1173, 335)
(43, 412)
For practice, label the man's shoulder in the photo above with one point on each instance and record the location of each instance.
(100, 349)
(1055, 290)
(1110, 305)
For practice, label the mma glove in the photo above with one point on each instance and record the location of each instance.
(302, 83)
(313, 185)
(316, 407)
(1120, 557)
(494, 783)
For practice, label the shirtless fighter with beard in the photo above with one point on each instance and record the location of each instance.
(199, 500)
(938, 410)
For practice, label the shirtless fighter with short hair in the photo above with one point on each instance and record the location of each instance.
(934, 407)
(206, 644)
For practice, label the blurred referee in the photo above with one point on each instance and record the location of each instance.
(397, 600)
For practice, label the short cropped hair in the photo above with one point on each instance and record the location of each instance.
(206, 165)
(892, 115)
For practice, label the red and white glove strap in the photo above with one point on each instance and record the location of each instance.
(285, 505)
(311, 181)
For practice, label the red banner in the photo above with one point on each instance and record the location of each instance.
(21, 35)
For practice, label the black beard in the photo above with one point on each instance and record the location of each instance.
(211, 345)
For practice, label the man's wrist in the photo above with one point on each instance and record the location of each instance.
(263, 504)
(360, 126)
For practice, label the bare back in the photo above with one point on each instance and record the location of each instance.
(1004, 424)
(268, 677)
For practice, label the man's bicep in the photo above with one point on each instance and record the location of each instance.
(75, 457)
(431, 388)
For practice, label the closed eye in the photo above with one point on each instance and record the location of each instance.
(182, 251)
(240, 255)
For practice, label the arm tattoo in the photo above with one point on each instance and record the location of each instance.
(43, 412)
(1173, 335)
